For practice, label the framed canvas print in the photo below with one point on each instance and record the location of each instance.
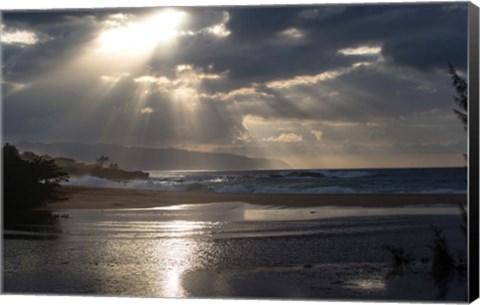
(295, 152)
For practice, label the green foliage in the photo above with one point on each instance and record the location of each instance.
(30, 183)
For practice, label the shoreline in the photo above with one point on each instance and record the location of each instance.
(83, 197)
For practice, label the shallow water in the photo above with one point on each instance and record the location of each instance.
(227, 250)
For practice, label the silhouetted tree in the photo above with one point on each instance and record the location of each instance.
(462, 96)
(101, 160)
(30, 184)
(461, 99)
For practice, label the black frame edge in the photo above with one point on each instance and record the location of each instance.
(473, 204)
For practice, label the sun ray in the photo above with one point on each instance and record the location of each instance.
(139, 37)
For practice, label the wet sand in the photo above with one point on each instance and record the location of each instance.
(110, 198)
(232, 250)
(183, 244)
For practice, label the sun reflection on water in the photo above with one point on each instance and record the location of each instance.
(183, 226)
(173, 286)
(368, 284)
(175, 257)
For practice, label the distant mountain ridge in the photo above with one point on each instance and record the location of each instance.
(144, 158)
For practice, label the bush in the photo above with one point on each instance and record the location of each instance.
(30, 184)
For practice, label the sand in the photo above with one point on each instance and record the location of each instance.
(217, 246)
(110, 198)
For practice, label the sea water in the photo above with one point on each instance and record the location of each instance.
(348, 181)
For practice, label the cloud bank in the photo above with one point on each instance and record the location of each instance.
(315, 86)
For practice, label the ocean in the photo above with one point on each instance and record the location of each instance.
(314, 181)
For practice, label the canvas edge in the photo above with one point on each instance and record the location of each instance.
(1, 156)
(473, 149)
(473, 208)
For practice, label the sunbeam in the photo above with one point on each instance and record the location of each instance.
(139, 37)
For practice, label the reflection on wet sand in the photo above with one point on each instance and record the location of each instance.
(258, 213)
(368, 284)
(34, 224)
(175, 257)
(238, 250)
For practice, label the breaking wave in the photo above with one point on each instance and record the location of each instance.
(200, 187)
(379, 181)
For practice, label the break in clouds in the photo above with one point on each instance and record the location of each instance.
(314, 86)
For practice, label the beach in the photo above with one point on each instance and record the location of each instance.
(113, 198)
(126, 242)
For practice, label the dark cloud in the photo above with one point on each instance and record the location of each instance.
(421, 36)
(433, 51)
(51, 94)
(60, 40)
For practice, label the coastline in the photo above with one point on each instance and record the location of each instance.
(116, 198)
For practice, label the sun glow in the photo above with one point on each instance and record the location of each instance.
(141, 36)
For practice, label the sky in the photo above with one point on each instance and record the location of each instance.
(326, 86)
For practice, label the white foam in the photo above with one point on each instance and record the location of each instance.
(131, 184)
(300, 190)
(222, 184)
